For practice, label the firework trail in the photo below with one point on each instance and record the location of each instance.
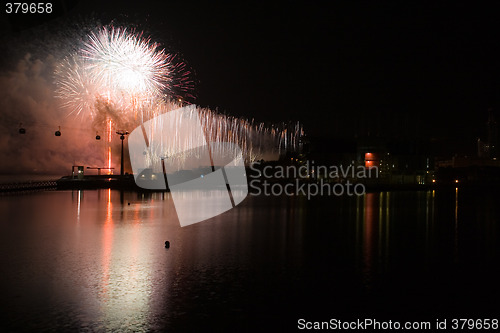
(255, 140)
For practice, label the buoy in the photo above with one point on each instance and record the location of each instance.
(58, 132)
(97, 136)
(167, 244)
(129, 203)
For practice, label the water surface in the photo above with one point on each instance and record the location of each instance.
(95, 260)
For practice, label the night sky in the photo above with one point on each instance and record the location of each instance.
(397, 69)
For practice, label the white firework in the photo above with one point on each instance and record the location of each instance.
(126, 62)
(117, 67)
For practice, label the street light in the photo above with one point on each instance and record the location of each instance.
(122, 137)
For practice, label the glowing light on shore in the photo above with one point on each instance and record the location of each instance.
(110, 128)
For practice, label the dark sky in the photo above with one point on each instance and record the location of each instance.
(425, 69)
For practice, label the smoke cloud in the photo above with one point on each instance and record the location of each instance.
(27, 101)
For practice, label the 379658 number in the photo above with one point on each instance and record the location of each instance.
(25, 8)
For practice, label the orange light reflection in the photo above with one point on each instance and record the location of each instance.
(107, 244)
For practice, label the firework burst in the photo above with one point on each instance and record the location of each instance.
(121, 79)
(116, 67)
(127, 63)
(77, 89)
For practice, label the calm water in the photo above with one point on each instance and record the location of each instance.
(95, 261)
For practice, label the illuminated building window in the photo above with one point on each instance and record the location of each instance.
(371, 160)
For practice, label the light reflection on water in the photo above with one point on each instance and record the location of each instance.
(373, 226)
(95, 260)
(86, 259)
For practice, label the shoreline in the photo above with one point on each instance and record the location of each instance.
(127, 182)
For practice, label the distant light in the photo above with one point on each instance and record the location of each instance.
(456, 180)
(433, 180)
